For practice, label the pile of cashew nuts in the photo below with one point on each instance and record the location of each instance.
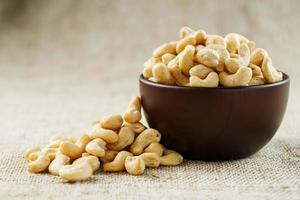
(202, 60)
(119, 142)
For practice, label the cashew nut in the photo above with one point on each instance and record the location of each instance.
(208, 57)
(144, 139)
(200, 36)
(241, 78)
(257, 80)
(185, 59)
(82, 142)
(135, 165)
(171, 158)
(256, 70)
(147, 72)
(175, 70)
(133, 114)
(109, 156)
(40, 164)
(155, 147)
(181, 44)
(137, 128)
(233, 64)
(234, 40)
(151, 159)
(212, 80)
(76, 172)
(31, 150)
(93, 161)
(201, 71)
(85, 154)
(71, 150)
(51, 152)
(118, 164)
(113, 122)
(162, 74)
(214, 39)
(96, 147)
(222, 52)
(107, 135)
(59, 161)
(166, 58)
(270, 73)
(165, 48)
(126, 137)
(257, 56)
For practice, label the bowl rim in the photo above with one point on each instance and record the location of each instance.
(285, 80)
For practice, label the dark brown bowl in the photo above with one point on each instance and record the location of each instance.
(215, 123)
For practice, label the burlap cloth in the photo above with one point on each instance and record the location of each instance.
(64, 64)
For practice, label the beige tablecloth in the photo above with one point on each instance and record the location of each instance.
(66, 63)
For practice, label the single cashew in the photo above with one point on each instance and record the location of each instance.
(76, 172)
(109, 156)
(181, 44)
(185, 59)
(165, 48)
(233, 64)
(83, 141)
(214, 39)
(135, 165)
(151, 159)
(155, 147)
(144, 139)
(208, 57)
(71, 150)
(118, 164)
(126, 138)
(31, 150)
(96, 147)
(40, 164)
(212, 80)
(59, 161)
(179, 77)
(93, 161)
(201, 71)
(147, 72)
(270, 73)
(222, 52)
(256, 70)
(234, 40)
(171, 158)
(162, 74)
(133, 114)
(107, 135)
(184, 31)
(166, 58)
(113, 122)
(257, 80)
(257, 56)
(137, 128)
(241, 78)
(33, 156)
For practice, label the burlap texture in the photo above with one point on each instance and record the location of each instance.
(65, 64)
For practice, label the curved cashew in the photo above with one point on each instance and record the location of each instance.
(29, 151)
(233, 64)
(77, 172)
(162, 74)
(137, 128)
(118, 164)
(171, 158)
(201, 71)
(147, 72)
(257, 56)
(144, 139)
(234, 40)
(270, 73)
(166, 58)
(109, 156)
(181, 44)
(40, 164)
(185, 59)
(184, 31)
(155, 147)
(93, 161)
(113, 122)
(133, 114)
(151, 159)
(212, 80)
(126, 137)
(135, 165)
(165, 48)
(256, 70)
(257, 80)
(214, 39)
(241, 78)
(175, 70)
(59, 161)
(107, 135)
(96, 147)
(71, 150)
(208, 57)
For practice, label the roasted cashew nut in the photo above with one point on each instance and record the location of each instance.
(166, 58)
(76, 172)
(208, 57)
(165, 48)
(59, 161)
(96, 147)
(31, 151)
(109, 156)
(181, 44)
(113, 122)
(256, 70)
(214, 39)
(257, 80)
(162, 74)
(185, 59)
(155, 147)
(257, 56)
(223, 55)
(126, 138)
(144, 139)
(241, 78)
(234, 40)
(93, 161)
(212, 80)
(40, 164)
(233, 64)
(201, 71)
(171, 157)
(270, 73)
(133, 114)
(70, 149)
(107, 135)
(151, 159)
(137, 128)
(175, 70)
(147, 72)
(118, 164)
(135, 165)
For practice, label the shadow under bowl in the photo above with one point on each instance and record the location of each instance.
(215, 123)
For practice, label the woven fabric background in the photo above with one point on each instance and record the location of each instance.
(64, 64)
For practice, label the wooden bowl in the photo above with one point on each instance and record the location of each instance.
(215, 123)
